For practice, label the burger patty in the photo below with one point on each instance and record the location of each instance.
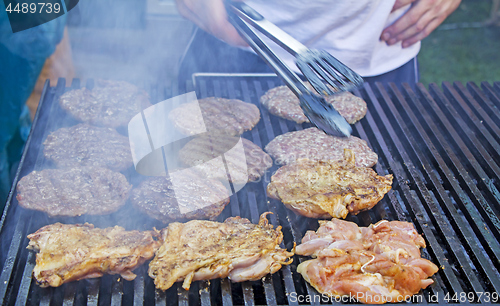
(314, 144)
(282, 102)
(73, 191)
(86, 145)
(219, 116)
(246, 162)
(185, 195)
(109, 103)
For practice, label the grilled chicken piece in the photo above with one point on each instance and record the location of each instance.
(376, 264)
(314, 144)
(219, 116)
(201, 250)
(321, 189)
(282, 102)
(68, 252)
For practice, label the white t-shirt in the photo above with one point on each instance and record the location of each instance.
(348, 29)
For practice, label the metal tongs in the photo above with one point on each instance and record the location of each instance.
(326, 74)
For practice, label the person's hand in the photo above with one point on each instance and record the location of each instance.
(211, 16)
(419, 21)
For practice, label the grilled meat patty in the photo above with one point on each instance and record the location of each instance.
(376, 264)
(73, 191)
(109, 103)
(202, 250)
(282, 102)
(314, 144)
(184, 195)
(324, 189)
(245, 161)
(85, 145)
(219, 116)
(68, 252)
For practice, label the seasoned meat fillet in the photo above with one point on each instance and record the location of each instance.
(68, 252)
(376, 264)
(324, 189)
(282, 102)
(202, 250)
(109, 103)
(314, 144)
(73, 191)
(185, 195)
(219, 116)
(85, 145)
(245, 160)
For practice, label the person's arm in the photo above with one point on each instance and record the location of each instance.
(211, 16)
(419, 21)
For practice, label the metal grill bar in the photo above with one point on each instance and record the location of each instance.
(455, 217)
(442, 145)
(486, 122)
(289, 286)
(454, 244)
(416, 213)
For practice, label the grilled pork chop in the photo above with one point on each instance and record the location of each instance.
(73, 191)
(109, 103)
(376, 264)
(282, 102)
(244, 165)
(219, 116)
(85, 145)
(68, 252)
(184, 195)
(314, 144)
(201, 250)
(324, 189)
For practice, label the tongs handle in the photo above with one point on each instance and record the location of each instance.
(319, 112)
(261, 48)
(267, 28)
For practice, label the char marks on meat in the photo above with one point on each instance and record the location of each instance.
(69, 252)
(325, 189)
(109, 103)
(73, 191)
(202, 250)
(314, 144)
(219, 116)
(282, 102)
(245, 160)
(184, 195)
(376, 264)
(85, 145)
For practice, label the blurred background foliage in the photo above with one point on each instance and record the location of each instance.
(463, 48)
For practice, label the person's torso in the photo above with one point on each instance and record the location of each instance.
(348, 29)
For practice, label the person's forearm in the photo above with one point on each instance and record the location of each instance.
(211, 16)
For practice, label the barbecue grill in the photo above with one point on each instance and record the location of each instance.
(441, 144)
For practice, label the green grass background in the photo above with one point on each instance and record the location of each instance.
(463, 54)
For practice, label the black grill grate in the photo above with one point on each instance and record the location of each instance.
(441, 144)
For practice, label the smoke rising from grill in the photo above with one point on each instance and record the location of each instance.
(449, 192)
(136, 41)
